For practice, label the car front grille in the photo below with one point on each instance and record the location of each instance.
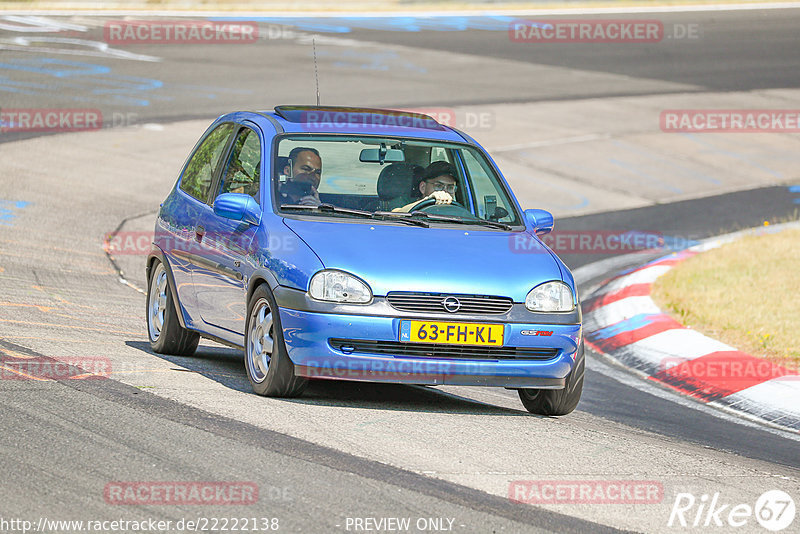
(440, 350)
(435, 303)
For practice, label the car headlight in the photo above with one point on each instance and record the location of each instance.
(339, 286)
(550, 297)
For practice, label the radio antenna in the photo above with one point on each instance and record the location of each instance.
(316, 76)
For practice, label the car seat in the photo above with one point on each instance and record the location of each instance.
(396, 185)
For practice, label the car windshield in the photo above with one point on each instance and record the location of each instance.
(390, 179)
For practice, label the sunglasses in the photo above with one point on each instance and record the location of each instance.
(442, 186)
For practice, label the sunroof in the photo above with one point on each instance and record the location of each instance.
(345, 116)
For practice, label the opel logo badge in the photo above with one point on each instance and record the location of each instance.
(451, 304)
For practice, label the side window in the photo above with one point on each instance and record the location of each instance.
(490, 200)
(243, 172)
(199, 172)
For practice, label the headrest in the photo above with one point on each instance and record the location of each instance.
(397, 179)
(281, 162)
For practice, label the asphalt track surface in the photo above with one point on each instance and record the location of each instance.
(727, 51)
(740, 51)
(62, 442)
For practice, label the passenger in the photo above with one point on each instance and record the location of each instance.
(303, 172)
(438, 182)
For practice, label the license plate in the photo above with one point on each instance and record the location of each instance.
(451, 333)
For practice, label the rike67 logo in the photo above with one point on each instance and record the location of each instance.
(774, 510)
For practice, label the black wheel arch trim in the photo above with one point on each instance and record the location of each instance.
(258, 277)
(157, 254)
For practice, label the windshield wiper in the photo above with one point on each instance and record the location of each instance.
(326, 208)
(385, 215)
(461, 220)
(399, 217)
(490, 224)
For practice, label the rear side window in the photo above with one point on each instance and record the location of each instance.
(243, 173)
(204, 162)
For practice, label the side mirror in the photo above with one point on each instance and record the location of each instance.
(539, 221)
(238, 207)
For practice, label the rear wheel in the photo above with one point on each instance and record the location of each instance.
(166, 334)
(557, 401)
(269, 369)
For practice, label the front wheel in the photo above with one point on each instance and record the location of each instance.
(269, 369)
(557, 401)
(164, 329)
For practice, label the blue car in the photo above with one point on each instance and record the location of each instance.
(363, 245)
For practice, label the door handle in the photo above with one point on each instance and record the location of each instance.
(199, 232)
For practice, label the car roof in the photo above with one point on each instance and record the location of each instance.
(361, 121)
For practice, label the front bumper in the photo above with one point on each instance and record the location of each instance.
(308, 336)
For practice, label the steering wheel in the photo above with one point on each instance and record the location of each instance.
(428, 202)
(454, 208)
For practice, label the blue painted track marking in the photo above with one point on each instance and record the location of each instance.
(8, 210)
(401, 24)
(796, 190)
(582, 201)
(13, 86)
(633, 169)
(57, 68)
(627, 325)
(733, 155)
(95, 84)
(590, 171)
(383, 61)
(666, 161)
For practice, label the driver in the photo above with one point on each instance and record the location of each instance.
(438, 183)
(303, 172)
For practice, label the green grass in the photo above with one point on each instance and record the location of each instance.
(745, 293)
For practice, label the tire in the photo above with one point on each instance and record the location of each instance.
(557, 401)
(164, 330)
(269, 369)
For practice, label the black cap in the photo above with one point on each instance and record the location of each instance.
(438, 168)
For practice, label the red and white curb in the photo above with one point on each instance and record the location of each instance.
(622, 322)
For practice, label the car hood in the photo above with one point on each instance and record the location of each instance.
(443, 260)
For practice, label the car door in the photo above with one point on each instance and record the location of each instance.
(219, 281)
(183, 208)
